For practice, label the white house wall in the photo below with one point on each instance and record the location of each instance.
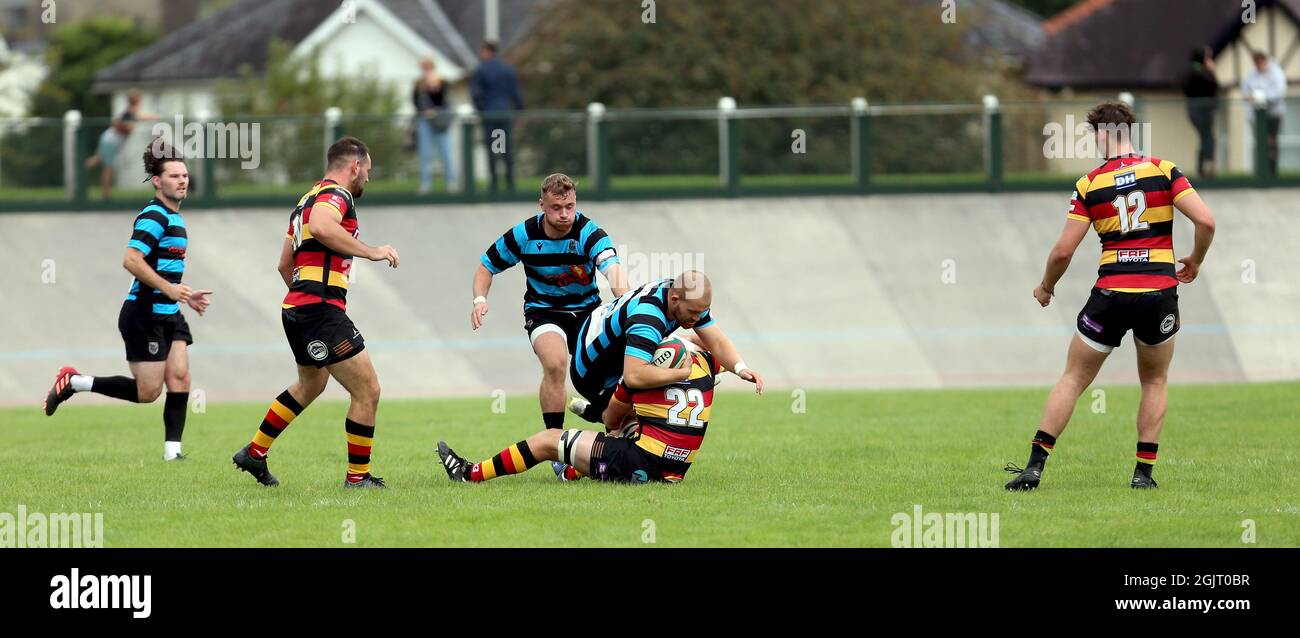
(375, 46)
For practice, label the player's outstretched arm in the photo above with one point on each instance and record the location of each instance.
(1198, 211)
(717, 342)
(1059, 259)
(500, 255)
(325, 227)
(482, 284)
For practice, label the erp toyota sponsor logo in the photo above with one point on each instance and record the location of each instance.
(676, 453)
(1131, 255)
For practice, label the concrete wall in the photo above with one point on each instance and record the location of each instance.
(861, 292)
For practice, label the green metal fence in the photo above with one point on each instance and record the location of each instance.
(724, 151)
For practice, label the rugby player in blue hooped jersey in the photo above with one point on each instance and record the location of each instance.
(153, 329)
(561, 249)
(616, 346)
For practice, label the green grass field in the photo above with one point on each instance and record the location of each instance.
(767, 476)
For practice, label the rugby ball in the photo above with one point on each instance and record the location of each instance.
(673, 352)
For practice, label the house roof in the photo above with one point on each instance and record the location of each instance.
(1134, 43)
(516, 16)
(237, 36)
(221, 44)
(997, 25)
(1009, 28)
(427, 19)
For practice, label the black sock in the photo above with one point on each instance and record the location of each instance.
(1041, 448)
(174, 415)
(117, 387)
(592, 413)
(553, 420)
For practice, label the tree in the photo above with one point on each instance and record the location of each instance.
(76, 52)
(789, 52)
(779, 53)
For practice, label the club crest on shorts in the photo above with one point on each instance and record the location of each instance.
(153, 347)
(1167, 325)
(317, 350)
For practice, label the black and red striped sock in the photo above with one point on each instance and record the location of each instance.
(282, 412)
(1146, 458)
(361, 438)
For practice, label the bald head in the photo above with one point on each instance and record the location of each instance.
(693, 284)
(690, 298)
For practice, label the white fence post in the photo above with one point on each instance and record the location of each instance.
(595, 113)
(71, 124)
(333, 115)
(726, 110)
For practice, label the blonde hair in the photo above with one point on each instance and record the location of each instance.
(558, 184)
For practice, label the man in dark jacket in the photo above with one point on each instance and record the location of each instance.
(1202, 91)
(495, 90)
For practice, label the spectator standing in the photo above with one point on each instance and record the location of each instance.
(495, 90)
(1202, 91)
(110, 141)
(1267, 78)
(432, 121)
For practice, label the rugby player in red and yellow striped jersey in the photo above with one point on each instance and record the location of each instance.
(315, 262)
(1130, 201)
(671, 421)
